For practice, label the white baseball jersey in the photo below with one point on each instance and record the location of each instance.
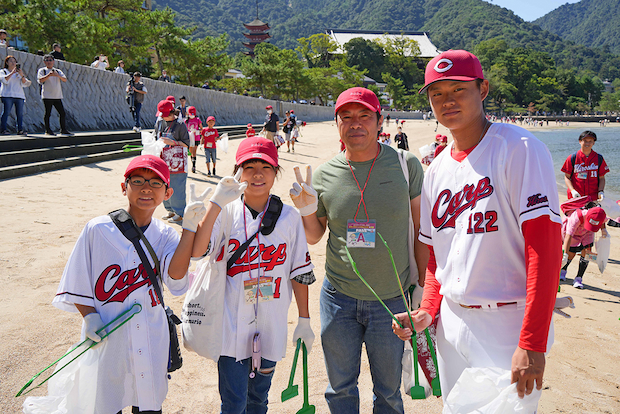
(472, 212)
(283, 256)
(104, 271)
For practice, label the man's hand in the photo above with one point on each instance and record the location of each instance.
(303, 195)
(421, 321)
(527, 367)
(228, 189)
(195, 210)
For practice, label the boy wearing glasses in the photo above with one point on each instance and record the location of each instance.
(105, 277)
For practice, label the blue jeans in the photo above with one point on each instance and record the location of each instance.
(136, 114)
(346, 323)
(241, 394)
(176, 203)
(19, 111)
(211, 154)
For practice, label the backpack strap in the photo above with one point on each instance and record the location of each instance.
(268, 224)
(132, 232)
(573, 158)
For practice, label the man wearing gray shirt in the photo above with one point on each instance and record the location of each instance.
(50, 79)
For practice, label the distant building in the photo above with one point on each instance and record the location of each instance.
(258, 34)
(427, 48)
(234, 74)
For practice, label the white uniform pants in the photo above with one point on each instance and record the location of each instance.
(476, 338)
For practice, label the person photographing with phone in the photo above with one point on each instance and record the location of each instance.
(51, 80)
(100, 62)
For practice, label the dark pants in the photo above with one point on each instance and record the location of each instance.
(56, 103)
(136, 114)
(136, 410)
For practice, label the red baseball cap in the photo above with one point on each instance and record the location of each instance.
(150, 162)
(258, 148)
(211, 118)
(165, 107)
(443, 138)
(292, 111)
(191, 110)
(456, 65)
(269, 107)
(171, 99)
(594, 219)
(361, 96)
(249, 125)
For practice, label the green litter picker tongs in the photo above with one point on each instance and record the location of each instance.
(292, 390)
(116, 323)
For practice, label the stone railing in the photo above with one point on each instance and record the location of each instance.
(95, 100)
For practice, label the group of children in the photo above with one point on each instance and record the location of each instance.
(104, 277)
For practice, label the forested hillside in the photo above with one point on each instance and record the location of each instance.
(589, 22)
(451, 24)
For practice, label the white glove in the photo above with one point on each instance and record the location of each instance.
(564, 260)
(92, 323)
(303, 195)
(228, 189)
(304, 331)
(604, 233)
(561, 303)
(416, 297)
(575, 194)
(195, 210)
(601, 196)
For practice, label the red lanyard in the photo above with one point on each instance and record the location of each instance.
(365, 184)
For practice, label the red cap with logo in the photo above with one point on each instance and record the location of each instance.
(361, 96)
(211, 118)
(191, 110)
(258, 148)
(456, 65)
(150, 162)
(594, 219)
(165, 107)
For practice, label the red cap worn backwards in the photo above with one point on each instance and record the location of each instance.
(258, 148)
(150, 162)
(361, 96)
(456, 65)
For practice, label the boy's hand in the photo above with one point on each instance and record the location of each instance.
(303, 195)
(92, 323)
(304, 331)
(228, 189)
(195, 210)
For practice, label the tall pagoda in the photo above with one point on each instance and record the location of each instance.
(258, 33)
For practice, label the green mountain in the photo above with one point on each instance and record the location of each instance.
(589, 22)
(450, 23)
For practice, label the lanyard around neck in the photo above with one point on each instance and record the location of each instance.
(362, 202)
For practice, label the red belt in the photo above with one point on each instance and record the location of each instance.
(499, 305)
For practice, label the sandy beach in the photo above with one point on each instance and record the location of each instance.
(45, 213)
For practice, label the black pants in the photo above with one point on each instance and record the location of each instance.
(56, 103)
(136, 410)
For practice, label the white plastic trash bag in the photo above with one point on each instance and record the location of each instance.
(488, 391)
(151, 146)
(222, 143)
(408, 376)
(427, 153)
(603, 247)
(612, 209)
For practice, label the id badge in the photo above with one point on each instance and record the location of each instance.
(265, 290)
(582, 175)
(361, 233)
(209, 145)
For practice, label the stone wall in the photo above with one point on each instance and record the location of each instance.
(95, 100)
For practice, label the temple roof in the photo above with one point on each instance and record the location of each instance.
(257, 36)
(256, 25)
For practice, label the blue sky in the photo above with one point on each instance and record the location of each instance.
(530, 10)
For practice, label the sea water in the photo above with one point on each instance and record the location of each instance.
(563, 142)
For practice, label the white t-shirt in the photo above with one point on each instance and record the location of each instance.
(51, 88)
(472, 212)
(284, 256)
(104, 271)
(12, 87)
(99, 64)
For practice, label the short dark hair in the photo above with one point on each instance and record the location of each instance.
(182, 97)
(585, 134)
(137, 75)
(48, 56)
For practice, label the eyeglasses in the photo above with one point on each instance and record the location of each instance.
(48, 60)
(138, 181)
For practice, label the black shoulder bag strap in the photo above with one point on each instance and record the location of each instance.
(132, 232)
(274, 209)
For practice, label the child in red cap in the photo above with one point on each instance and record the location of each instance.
(578, 234)
(194, 127)
(104, 277)
(250, 131)
(283, 267)
(209, 137)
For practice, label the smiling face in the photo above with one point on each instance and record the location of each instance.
(359, 128)
(144, 199)
(586, 144)
(260, 177)
(457, 105)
